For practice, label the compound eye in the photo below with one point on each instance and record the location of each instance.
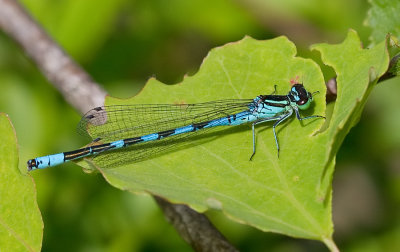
(302, 101)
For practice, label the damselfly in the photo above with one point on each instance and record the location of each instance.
(131, 133)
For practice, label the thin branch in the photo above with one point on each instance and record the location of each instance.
(83, 93)
(64, 73)
(200, 231)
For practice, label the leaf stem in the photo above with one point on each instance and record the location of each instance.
(330, 244)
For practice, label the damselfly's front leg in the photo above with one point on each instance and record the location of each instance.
(307, 117)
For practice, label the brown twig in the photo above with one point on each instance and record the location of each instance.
(196, 229)
(83, 93)
(69, 78)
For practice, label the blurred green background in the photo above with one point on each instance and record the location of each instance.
(122, 43)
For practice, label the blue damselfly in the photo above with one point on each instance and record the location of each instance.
(148, 129)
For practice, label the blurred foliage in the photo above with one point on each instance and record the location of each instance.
(122, 43)
(383, 18)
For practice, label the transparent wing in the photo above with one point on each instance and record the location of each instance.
(111, 123)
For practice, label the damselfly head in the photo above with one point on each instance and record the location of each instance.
(300, 96)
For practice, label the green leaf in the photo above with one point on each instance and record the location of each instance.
(290, 194)
(269, 193)
(357, 72)
(21, 226)
(383, 18)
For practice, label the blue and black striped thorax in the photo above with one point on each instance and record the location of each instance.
(297, 97)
